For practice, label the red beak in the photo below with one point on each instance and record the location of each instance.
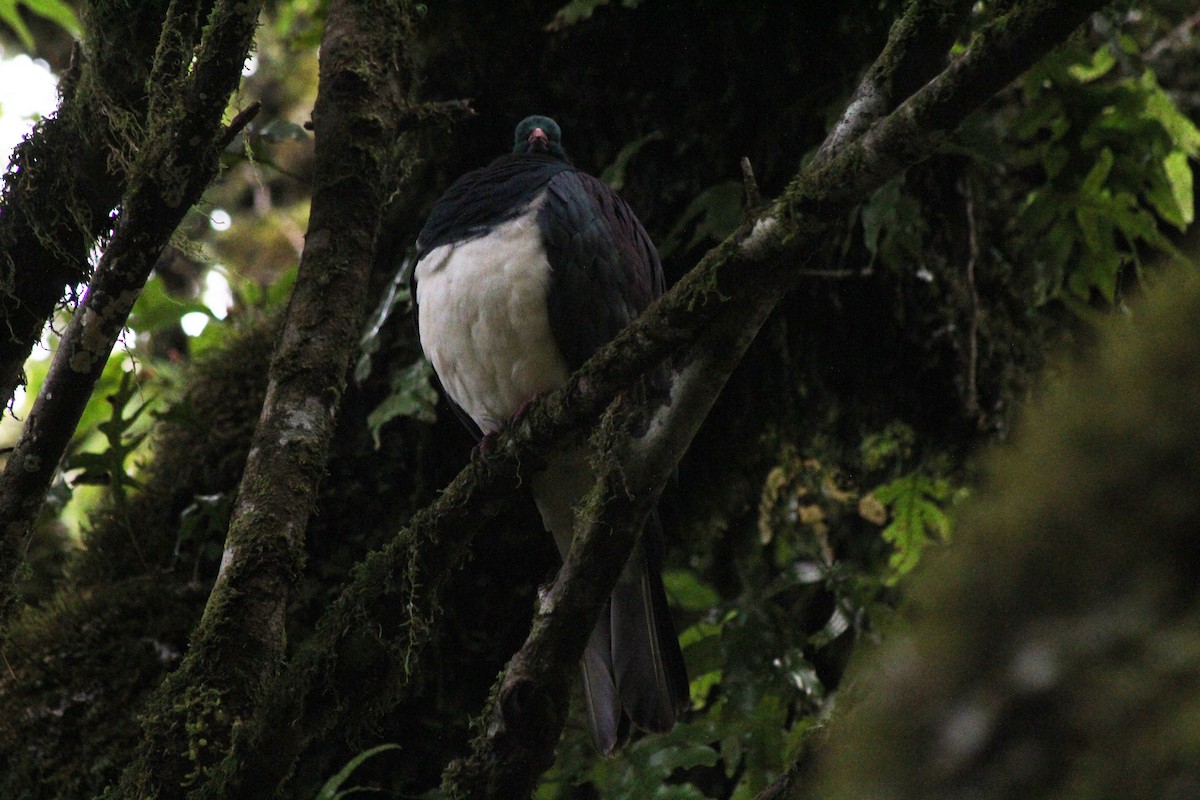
(538, 139)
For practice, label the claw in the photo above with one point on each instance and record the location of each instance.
(519, 415)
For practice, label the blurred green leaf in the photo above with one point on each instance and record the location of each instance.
(412, 395)
(56, 11)
(918, 518)
(107, 467)
(332, 789)
(155, 309)
(1101, 63)
(685, 590)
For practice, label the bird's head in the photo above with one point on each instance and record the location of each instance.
(538, 135)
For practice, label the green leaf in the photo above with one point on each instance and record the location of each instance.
(1096, 176)
(332, 789)
(1102, 61)
(1159, 106)
(412, 395)
(107, 467)
(1179, 178)
(685, 590)
(614, 173)
(715, 214)
(918, 519)
(12, 17)
(155, 309)
(56, 11)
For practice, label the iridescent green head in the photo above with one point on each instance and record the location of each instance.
(538, 135)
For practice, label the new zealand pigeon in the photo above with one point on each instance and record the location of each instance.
(524, 268)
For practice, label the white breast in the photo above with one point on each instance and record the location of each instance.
(483, 320)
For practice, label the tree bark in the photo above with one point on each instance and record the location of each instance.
(240, 641)
(69, 175)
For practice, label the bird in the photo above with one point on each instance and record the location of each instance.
(524, 268)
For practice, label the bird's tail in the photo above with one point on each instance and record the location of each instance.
(632, 667)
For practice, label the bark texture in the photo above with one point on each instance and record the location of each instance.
(240, 641)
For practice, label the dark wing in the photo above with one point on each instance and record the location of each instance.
(486, 197)
(473, 205)
(604, 268)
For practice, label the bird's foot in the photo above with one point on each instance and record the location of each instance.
(523, 410)
(487, 443)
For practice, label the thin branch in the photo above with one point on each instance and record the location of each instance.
(915, 52)
(172, 169)
(972, 399)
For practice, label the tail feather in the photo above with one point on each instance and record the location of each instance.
(632, 667)
(607, 718)
(647, 663)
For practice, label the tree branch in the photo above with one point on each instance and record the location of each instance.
(176, 161)
(69, 174)
(916, 51)
(240, 641)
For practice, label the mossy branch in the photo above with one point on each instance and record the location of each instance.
(175, 163)
(916, 51)
(239, 643)
(69, 174)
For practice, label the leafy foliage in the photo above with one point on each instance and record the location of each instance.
(1113, 150)
(107, 467)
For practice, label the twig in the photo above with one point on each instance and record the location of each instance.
(1177, 35)
(239, 122)
(753, 196)
(972, 399)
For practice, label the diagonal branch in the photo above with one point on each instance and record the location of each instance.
(916, 51)
(176, 161)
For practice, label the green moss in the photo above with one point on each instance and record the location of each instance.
(84, 664)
